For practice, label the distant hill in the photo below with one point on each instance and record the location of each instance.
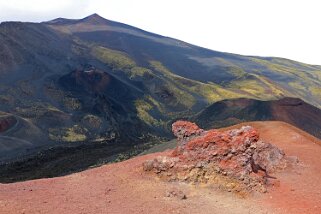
(290, 110)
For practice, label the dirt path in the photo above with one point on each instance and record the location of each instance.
(300, 189)
(124, 188)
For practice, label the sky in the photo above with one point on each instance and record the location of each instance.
(281, 28)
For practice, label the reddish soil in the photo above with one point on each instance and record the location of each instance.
(125, 188)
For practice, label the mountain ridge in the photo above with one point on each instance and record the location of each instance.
(96, 16)
(44, 65)
(290, 110)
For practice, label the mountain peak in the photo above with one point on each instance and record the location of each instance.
(94, 19)
(95, 15)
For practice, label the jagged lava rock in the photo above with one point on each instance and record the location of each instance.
(236, 159)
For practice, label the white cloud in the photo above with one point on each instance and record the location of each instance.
(36, 5)
(40, 10)
(284, 28)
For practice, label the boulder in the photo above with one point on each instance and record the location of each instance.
(235, 160)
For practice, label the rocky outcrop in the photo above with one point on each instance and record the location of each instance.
(235, 160)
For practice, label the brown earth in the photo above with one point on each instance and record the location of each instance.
(125, 188)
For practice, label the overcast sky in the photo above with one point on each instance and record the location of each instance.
(283, 28)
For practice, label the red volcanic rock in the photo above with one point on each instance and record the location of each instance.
(184, 131)
(235, 159)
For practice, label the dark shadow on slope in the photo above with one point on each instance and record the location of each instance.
(290, 110)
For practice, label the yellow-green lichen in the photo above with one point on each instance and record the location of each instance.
(139, 72)
(143, 109)
(115, 59)
(71, 134)
(316, 91)
(209, 91)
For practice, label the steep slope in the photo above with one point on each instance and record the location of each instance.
(95, 80)
(248, 76)
(123, 188)
(290, 110)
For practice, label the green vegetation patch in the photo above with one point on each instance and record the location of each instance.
(116, 59)
(36, 110)
(316, 91)
(178, 90)
(120, 61)
(71, 134)
(209, 91)
(257, 86)
(143, 108)
(139, 72)
(251, 86)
